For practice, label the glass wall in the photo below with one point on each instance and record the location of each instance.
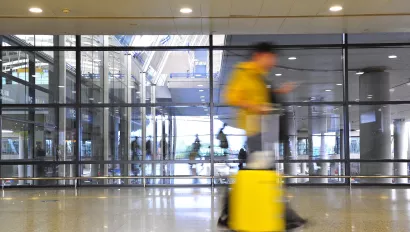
(148, 109)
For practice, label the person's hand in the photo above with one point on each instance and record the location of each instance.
(262, 109)
(286, 87)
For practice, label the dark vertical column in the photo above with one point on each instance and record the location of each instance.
(346, 129)
(400, 150)
(211, 99)
(36, 171)
(375, 134)
(289, 129)
(1, 95)
(77, 105)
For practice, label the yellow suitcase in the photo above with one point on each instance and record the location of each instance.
(256, 202)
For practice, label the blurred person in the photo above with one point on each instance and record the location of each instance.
(148, 147)
(249, 91)
(196, 146)
(241, 156)
(223, 140)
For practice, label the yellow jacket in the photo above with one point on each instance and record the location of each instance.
(247, 84)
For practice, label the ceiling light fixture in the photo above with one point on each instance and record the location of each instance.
(201, 90)
(200, 85)
(359, 73)
(328, 90)
(202, 96)
(292, 58)
(339, 84)
(185, 10)
(35, 10)
(278, 74)
(336, 8)
(369, 97)
(392, 57)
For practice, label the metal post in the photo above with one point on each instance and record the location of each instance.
(211, 99)
(346, 123)
(78, 135)
(143, 82)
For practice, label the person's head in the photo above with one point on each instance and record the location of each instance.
(264, 55)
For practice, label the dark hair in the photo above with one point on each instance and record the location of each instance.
(264, 47)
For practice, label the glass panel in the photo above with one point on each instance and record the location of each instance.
(41, 170)
(378, 74)
(126, 77)
(108, 170)
(40, 40)
(317, 73)
(144, 40)
(248, 40)
(38, 77)
(397, 37)
(44, 134)
(106, 133)
(379, 132)
(380, 170)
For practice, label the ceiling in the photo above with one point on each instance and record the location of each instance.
(208, 16)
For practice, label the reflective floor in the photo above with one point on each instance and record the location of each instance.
(194, 209)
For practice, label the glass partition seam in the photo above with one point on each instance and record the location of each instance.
(77, 106)
(211, 99)
(346, 134)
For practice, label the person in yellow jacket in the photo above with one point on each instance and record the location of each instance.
(250, 92)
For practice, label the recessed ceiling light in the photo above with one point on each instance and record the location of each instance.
(328, 90)
(369, 97)
(392, 57)
(201, 90)
(35, 10)
(292, 58)
(185, 10)
(359, 73)
(339, 84)
(336, 8)
(200, 85)
(299, 106)
(278, 74)
(202, 96)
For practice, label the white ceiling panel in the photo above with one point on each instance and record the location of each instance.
(246, 7)
(216, 26)
(303, 7)
(276, 7)
(215, 8)
(268, 26)
(236, 26)
(290, 25)
(188, 26)
(155, 8)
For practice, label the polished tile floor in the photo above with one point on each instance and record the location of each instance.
(194, 209)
